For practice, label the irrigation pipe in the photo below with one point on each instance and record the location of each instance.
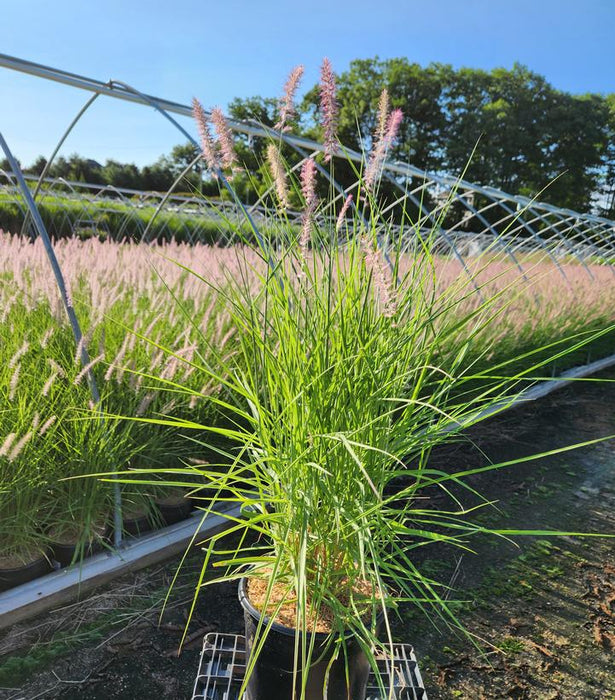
(538, 391)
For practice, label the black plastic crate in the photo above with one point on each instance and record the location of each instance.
(223, 665)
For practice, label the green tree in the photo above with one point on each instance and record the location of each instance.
(125, 175)
(575, 144)
(528, 135)
(38, 166)
(504, 114)
(606, 196)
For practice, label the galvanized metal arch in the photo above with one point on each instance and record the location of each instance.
(563, 226)
(57, 148)
(496, 234)
(605, 231)
(526, 225)
(577, 227)
(590, 226)
(167, 195)
(441, 232)
(574, 250)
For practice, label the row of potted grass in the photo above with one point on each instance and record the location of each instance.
(66, 216)
(126, 293)
(48, 434)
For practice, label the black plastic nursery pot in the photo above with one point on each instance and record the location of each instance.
(174, 509)
(136, 522)
(66, 553)
(272, 675)
(15, 576)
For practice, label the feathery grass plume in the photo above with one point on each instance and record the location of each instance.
(115, 363)
(45, 339)
(287, 103)
(278, 172)
(46, 425)
(342, 215)
(49, 383)
(308, 188)
(208, 147)
(308, 182)
(6, 445)
(56, 367)
(329, 108)
(383, 115)
(381, 148)
(87, 368)
(18, 355)
(169, 406)
(79, 350)
(145, 404)
(381, 275)
(225, 139)
(69, 294)
(14, 382)
(156, 360)
(18, 448)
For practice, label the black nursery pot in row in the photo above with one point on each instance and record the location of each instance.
(11, 576)
(32, 565)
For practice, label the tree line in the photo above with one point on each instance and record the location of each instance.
(506, 128)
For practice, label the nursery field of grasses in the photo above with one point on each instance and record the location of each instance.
(126, 293)
(85, 216)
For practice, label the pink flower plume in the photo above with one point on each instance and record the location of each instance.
(329, 108)
(383, 141)
(308, 188)
(342, 215)
(287, 103)
(279, 174)
(208, 147)
(225, 138)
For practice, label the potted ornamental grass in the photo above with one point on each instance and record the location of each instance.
(349, 366)
(80, 511)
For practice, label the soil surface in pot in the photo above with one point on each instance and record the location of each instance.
(71, 535)
(136, 520)
(545, 608)
(135, 512)
(22, 566)
(16, 560)
(287, 614)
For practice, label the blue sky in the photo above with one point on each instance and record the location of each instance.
(231, 48)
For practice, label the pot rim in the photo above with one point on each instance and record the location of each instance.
(44, 558)
(276, 626)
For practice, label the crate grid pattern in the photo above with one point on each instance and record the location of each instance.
(222, 669)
